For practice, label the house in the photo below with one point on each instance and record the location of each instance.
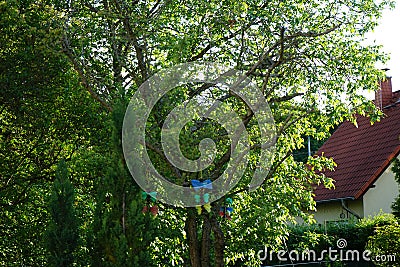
(364, 182)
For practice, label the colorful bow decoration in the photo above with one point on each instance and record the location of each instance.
(151, 198)
(206, 198)
(207, 207)
(197, 185)
(228, 201)
(225, 211)
(151, 195)
(201, 198)
(153, 209)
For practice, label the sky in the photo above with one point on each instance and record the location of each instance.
(388, 34)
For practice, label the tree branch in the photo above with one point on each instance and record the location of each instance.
(280, 43)
(132, 38)
(161, 154)
(270, 173)
(285, 98)
(68, 51)
(226, 38)
(205, 242)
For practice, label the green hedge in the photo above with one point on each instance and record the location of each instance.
(385, 242)
(379, 234)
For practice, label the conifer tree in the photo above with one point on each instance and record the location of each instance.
(122, 232)
(62, 235)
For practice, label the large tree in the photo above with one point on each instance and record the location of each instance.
(45, 116)
(307, 58)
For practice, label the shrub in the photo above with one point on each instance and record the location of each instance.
(385, 245)
(396, 203)
(374, 231)
(62, 235)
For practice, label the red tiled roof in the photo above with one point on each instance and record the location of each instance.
(361, 154)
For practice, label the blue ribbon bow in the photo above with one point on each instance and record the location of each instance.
(198, 185)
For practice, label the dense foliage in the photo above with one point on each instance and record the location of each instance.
(69, 68)
(384, 242)
(45, 116)
(377, 234)
(62, 232)
(121, 233)
(396, 171)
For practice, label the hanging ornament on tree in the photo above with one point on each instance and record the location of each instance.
(206, 207)
(150, 206)
(226, 210)
(197, 185)
(201, 196)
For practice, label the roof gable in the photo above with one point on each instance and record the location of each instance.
(361, 154)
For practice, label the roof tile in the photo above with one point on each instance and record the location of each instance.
(361, 154)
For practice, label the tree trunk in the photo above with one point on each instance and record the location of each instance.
(219, 244)
(200, 252)
(191, 230)
(206, 242)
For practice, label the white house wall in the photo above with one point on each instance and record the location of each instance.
(382, 195)
(333, 210)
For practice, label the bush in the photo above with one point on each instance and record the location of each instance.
(396, 203)
(320, 236)
(385, 245)
(62, 236)
(381, 233)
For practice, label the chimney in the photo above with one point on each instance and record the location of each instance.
(383, 97)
